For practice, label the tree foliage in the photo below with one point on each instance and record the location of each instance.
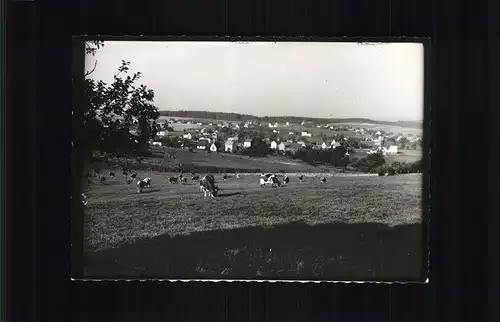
(119, 118)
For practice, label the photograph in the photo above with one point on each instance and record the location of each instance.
(252, 160)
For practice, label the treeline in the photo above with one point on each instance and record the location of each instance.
(223, 116)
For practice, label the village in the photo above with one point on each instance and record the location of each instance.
(286, 138)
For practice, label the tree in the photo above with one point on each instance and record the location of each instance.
(113, 110)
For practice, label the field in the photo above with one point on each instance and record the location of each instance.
(233, 161)
(352, 227)
(404, 155)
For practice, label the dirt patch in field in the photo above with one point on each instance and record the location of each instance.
(292, 251)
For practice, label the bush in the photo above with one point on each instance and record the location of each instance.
(391, 171)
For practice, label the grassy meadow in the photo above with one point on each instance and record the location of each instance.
(351, 227)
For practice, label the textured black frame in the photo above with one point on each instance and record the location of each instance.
(38, 71)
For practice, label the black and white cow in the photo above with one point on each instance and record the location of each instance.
(173, 180)
(322, 179)
(83, 199)
(111, 174)
(103, 179)
(301, 178)
(224, 177)
(208, 187)
(184, 180)
(286, 180)
(270, 179)
(133, 175)
(144, 183)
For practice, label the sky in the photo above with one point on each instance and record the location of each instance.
(306, 79)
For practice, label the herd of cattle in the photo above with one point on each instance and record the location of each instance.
(207, 182)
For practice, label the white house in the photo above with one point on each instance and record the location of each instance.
(187, 136)
(162, 133)
(302, 143)
(334, 144)
(282, 146)
(202, 144)
(305, 134)
(230, 145)
(157, 143)
(213, 147)
(274, 145)
(247, 143)
(393, 149)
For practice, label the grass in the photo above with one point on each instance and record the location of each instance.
(348, 228)
(233, 161)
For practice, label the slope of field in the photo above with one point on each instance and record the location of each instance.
(130, 234)
(234, 161)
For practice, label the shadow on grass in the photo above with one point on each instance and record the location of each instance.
(229, 194)
(292, 251)
(150, 191)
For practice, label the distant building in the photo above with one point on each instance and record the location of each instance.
(274, 145)
(213, 147)
(393, 149)
(202, 144)
(157, 143)
(247, 143)
(188, 136)
(230, 145)
(162, 133)
(293, 147)
(305, 134)
(334, 144)
(281, 146)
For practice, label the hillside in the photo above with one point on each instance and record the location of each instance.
(246, 117)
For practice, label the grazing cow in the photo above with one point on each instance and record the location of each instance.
(208, 187)
(125, 173)
(173, 180)
(224, 177)
(184, 180)
(111, 174)
(103, 179)
(286, 180)
(144, 183)
(133, 175)
(129, 181)
(270, 179)
(83, 199)
(195, 177)
(322, 179)
(301, 178)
